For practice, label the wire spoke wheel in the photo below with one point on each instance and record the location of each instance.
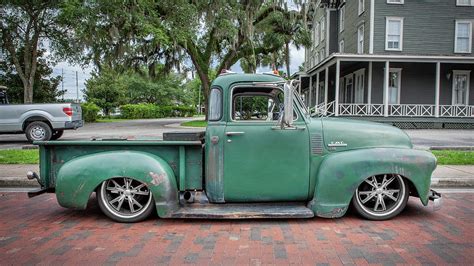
(125, 199)
(381, 197)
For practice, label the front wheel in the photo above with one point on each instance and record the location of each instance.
(125, 200)
(381, 197)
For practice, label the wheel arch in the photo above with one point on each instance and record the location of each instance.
(79, 178)
(341, 173)
(35, 118)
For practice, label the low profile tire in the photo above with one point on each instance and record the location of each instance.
(38, 131)
(57, 134)
(125, 200)
(381, 197)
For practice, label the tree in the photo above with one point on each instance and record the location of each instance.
(26, 25)
(106, 90)
(219, 32)
(45, 88)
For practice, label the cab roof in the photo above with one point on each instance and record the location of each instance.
(225, 80)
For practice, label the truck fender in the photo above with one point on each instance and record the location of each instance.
(45, 116)
(341, 173)
(78, 178)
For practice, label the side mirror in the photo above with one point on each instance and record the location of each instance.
(287, 120)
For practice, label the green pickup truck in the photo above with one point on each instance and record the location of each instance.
(262, 156)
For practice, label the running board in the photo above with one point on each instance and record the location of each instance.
(244, 211)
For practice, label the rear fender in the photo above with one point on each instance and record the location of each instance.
(341, 173)
(78, 178)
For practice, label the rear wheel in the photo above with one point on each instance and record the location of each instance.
(57, 134)
(381, 197)
(38, 131)
(125, 200)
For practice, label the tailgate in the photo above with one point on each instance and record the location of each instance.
(76, 112)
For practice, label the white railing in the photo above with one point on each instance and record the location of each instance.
(397, 110)
(411, 110)
(456, 111)
(356, 109)
(323, 109)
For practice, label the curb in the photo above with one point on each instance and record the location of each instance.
(17, 182)
(455, 148)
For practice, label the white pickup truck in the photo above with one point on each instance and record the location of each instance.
(39, 122)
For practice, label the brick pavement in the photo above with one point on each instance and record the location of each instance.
(37, 230)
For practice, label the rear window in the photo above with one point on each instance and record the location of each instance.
(215, 105)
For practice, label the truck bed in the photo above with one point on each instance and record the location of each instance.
(184, 157)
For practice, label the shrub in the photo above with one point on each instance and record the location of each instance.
(89, 111)
(146, 110)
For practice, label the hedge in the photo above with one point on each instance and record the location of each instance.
(145, 110)
(90, 111)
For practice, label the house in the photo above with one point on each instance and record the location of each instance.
(405, 62)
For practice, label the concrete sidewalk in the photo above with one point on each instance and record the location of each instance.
(14, 175)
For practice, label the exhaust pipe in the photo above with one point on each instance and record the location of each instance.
(32, 175)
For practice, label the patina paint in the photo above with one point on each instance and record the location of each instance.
(341, 173)
(78, 178)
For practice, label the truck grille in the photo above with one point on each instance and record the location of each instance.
(316, 144)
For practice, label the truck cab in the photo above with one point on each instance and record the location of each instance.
(262, 156)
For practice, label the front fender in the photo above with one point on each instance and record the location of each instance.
(78, 178)
(341, 173)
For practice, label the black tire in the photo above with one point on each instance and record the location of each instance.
(375, 190)
(38, 131)
(57, 134)
(119, 190)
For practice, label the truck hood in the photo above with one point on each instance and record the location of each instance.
(348, 134)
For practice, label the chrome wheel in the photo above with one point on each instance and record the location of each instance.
(381, 197)
(125, 198)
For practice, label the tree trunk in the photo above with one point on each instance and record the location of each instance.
(287, 59)
(28, 93)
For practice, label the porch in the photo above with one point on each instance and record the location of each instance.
(392, 88)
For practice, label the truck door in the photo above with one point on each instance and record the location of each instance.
(261, 161)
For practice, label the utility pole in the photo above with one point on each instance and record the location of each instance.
(199, 100)
(62, 81)
(77, 88)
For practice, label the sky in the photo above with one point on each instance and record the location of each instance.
(297, 58)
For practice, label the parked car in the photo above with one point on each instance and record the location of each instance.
(39, 122)
(280, 164)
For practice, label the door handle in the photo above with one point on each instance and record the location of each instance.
(234, 133)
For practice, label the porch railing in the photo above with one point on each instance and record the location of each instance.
(398, 110)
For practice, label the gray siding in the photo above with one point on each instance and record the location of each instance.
(352, 22)
(418, 82)
(429, 25)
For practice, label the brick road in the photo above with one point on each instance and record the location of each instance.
(39, 231)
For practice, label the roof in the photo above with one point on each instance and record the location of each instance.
(225, 80)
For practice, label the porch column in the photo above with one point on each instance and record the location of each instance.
(369, 85)
(336, 101)
(385, 88)
(326, 85)
(317, 88)
(437, 87)
(310, 98)
(299, 87)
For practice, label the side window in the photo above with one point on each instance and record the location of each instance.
(215, 104)
(247, 107)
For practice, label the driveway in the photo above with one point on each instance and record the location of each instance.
(39, 231)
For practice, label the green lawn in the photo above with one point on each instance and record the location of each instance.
(19, 156)
(454, 157)
(195, 123)
(447, 157)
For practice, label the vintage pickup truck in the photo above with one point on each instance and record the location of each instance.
(263, 156)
